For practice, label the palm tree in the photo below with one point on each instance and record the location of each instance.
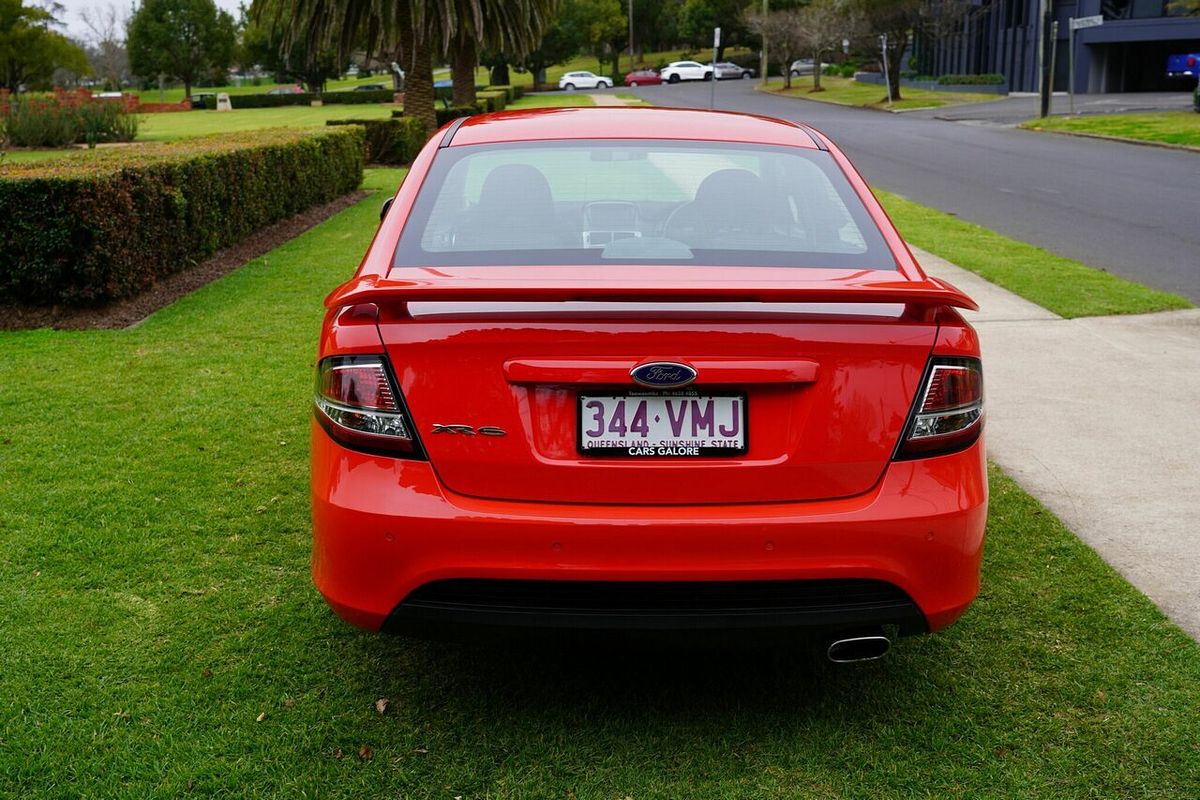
(512, 27)
(411, 27)
(415, 29)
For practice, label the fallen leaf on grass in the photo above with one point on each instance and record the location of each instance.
(381, 705)
(421, 750)
(261, 717)
(365, 753)
(289, 703)
(338, 754)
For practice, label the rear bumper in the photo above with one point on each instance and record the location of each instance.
(384, 528)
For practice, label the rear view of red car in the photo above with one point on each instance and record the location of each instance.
(646, 370)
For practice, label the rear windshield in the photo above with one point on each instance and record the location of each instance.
(639, 202)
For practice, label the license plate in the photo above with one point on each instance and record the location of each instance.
(662, 425)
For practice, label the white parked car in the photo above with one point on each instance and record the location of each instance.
(678, 71)
(583, 80)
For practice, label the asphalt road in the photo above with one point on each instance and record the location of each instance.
(1132, 210)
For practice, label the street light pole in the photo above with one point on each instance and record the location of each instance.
(631, 34)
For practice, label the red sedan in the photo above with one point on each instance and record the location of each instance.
(652, 370)
(643, 77)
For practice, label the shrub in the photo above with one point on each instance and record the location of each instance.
(389, 141)
(512, 93)
(306, 98)
(358, 98)
(270, 100)
(991, 79)
(496, 101)
(444, 115)
(66, 118)
(90, 228)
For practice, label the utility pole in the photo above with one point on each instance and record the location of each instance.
(1045, 43)
(712, 89)
(763, 64)
(631, 34)
(883, 44)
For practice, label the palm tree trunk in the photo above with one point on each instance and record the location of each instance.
(464, 57)
(418, 89)
(418, 69)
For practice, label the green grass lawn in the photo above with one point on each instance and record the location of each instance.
(1170, 127)
(184, 124)
(848, 92)
(161, 636)
(1067, 287)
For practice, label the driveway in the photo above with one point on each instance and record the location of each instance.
(1096, 418)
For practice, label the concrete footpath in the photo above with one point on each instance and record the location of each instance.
(1099, 418)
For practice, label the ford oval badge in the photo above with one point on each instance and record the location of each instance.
(663, 374)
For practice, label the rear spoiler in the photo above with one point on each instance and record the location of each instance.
(546, 286)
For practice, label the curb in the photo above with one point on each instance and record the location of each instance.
(758, 88)
(1123, 139)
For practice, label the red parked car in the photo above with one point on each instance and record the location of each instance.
(646, 369)
(642, 77)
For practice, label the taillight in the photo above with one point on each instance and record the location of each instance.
(358, 405)
(948, 415)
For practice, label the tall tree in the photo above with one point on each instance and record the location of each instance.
(823, 25)
(296, 64)
(901, 20)
(182, 39)
(106, 43)
(559, 44)
(30, 50)
(511, 27)
(698, 18)
(782, 32)
(600, 26)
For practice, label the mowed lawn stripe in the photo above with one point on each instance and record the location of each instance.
(154, 545)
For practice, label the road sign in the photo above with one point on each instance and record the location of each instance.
(716, 37)
(1079, 23)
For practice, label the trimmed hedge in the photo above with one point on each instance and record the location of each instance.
(990, 79)
(444, 115)
(85, 230)
(389, 141)
(496, 101)
(306, 98)
(513, 93)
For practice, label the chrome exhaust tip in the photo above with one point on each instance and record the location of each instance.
(858, 648)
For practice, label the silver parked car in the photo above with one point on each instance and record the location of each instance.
(804, 66)
(726, 70)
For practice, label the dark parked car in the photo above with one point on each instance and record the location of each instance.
(203, 100)
(372, 87)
